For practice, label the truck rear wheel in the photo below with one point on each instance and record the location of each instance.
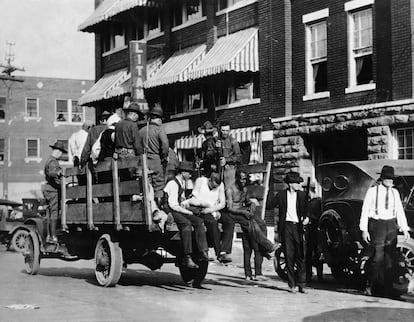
(108, 261)
(31, 253)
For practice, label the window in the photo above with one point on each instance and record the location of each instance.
(2, 108)
(223, 4)
(113, 37)
(154, 20)
(32, 148)
(32, 107)
(194, 101)
(1, 150)
(192, 10)
(69, 111)
(405, 143)
(360, 51)
(65, 156)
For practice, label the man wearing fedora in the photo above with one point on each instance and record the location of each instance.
(155, 142)
(209, 151)
(184, 217)
(382, 215)
(127, 138)
(292, 204)
(51, 189)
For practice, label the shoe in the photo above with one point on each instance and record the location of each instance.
(224, 258)
(368, 291)
(261, 278)
(51, 240)
(187, 261)
(292, 290)
(204, 256)
(302, 290)
(250, 278)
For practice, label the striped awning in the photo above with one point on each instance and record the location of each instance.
(110, 8)
(109, 85)
(177, 67)
(245, 134)
(235, 52)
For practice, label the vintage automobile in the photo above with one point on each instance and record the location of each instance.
(106, 222)
(344, 185)
(15, 220)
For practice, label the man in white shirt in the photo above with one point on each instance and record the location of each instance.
(381, 216)
(77, 142)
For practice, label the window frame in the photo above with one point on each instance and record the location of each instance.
(3, 108)
(27, 117)
(352, 8)
(2, 152)
(396, 149)
(70, 113)
(310, 21)
(36, 158)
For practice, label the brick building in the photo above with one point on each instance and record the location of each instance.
(41, 111)
(345, 81)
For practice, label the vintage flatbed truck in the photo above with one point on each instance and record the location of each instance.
(101, 221)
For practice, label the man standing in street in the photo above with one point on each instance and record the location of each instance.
(51, 190)
(292, 217)
(155, 142)
(77, 142)
(230, 156)
(127, 138)
(381, 216)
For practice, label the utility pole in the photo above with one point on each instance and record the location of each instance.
(8, 79)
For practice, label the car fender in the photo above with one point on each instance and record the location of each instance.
(38, 223)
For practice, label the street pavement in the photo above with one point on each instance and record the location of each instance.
(67, 291)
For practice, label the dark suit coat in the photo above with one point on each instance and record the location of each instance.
(280, 201)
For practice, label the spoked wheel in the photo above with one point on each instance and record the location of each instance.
(406, 248)
(31, 253)
(279, 262)
(18, 241)
(108, 261)
(193, 276)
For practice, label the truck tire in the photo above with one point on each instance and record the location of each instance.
(32, 253)
(108, 261)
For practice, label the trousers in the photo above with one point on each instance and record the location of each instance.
(293, 247)
(221, 242)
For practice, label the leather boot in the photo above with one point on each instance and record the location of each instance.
(187, 261)
(204, 256)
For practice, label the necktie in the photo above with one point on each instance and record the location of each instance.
(387, 196)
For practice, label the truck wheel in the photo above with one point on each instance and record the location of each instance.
(31, 253)
(18, 240)
(194, 276)
(108, 261)
(407, 251)
(279, 262)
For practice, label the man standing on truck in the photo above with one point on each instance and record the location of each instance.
(382, 215)
(51, 189)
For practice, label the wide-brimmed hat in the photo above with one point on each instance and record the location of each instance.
(113, 119)
(387, 172)
(156, 111)
(59, 146)
(104, 115)
(186, 166)
(293, 177)
(133, 107)
(207, 127)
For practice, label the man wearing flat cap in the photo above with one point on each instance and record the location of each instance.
(127, 138)
(155, 142)
(292, 204)
(382, 215)
(51, 189)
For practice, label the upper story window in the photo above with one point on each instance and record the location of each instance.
(32, 107)
(1, 150)
(223, 4)
(2, 108)
(236, 88)
(114, 37)
(405, 143)
(68, 111)
(360, 50)
(32, 149)
(188, 10)
(154, 20)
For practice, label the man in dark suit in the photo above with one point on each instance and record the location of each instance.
(292, 217)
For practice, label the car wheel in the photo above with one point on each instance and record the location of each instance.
(18, 240)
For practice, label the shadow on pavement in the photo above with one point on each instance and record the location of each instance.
(71, 272)
(364, 314)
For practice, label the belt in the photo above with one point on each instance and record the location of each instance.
(292, 223)
(123, 150)
(383, 220)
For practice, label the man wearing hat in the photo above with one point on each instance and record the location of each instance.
(155, 142)
(51, 189)
(382, 215)
(209, 151)
(93, 135)
(185, 218)
(292, 216)
(127, 138)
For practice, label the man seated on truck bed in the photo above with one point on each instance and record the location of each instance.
(185, 218)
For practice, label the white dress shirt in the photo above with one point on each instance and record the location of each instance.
(77, 142)
(373, 209)
(291, 212)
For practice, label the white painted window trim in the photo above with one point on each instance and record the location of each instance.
(69, 101)
(357, 4)
(26, 118)
(114, 50)
(352, 78)
(189, 113)
(314, 16)
(315, 96)
(235, 6)
(154, 35)
(37, 158)
(394, 142)
(240, 103)
(188, 23)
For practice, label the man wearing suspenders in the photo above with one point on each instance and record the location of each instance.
(381, 216)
